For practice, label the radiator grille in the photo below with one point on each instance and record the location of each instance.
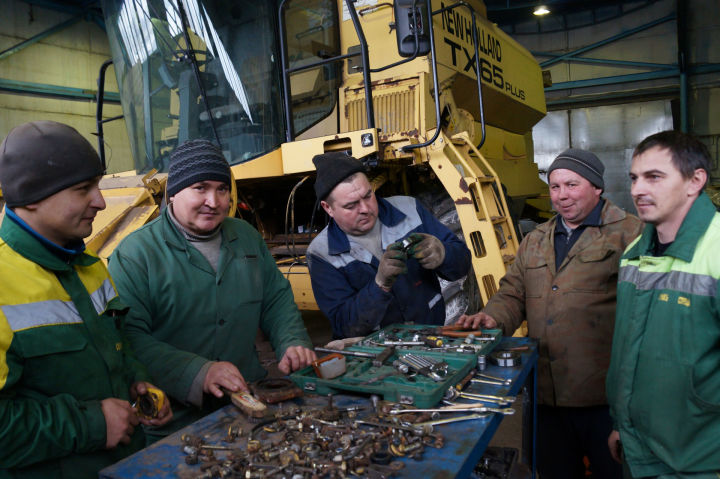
(395, 112)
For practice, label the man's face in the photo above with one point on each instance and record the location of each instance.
(67, 216)
(572, 196)
(353, 206)
(202, 206)
(662, 196)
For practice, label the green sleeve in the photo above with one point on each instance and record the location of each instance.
(281, 320)
(172, 370)
(507, 305)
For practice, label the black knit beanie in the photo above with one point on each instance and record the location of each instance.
(195, 161)
(332, 168)
(40, 158)
(582, 162)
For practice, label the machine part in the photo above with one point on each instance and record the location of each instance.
(506, 359)
(330, 366)
(380, 457)
(148, 405)
(383, 356)
(275, 390)
(248, 404)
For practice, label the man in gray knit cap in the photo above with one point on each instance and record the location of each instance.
(563, 282)
(199, 285)
(67, 379)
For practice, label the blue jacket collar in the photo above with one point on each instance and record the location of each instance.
(338, 242)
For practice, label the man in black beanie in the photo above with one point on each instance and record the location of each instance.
(66, 378)
(564, 282)
(199, 285)
(363, 278)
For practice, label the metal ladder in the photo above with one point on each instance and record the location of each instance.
(484, 216)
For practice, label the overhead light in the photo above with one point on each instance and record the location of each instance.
(541, 10)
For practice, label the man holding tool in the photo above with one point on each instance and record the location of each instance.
(199, 285)
(67, 378)
(664, 379)
(563, 281)
(362, 274)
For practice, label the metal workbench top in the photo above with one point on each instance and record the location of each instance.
(465, 441)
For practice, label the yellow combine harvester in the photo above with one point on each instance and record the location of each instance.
(275, 83)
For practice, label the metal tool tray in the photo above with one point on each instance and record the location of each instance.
(406, 332)
(422, 392)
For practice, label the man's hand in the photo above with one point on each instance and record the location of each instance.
(223, 374)
(392, 264)
(615, 446)
(477, 320)
(296, 357)
(428, 250)
(164, 414)
(120, 421)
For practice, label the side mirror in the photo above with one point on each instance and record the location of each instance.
(408, 22)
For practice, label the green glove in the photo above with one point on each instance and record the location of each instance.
(392, 264)
(428, 250)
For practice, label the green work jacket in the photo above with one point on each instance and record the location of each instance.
(61, 354)
(183, 314)
(664, 379)
(570, 310)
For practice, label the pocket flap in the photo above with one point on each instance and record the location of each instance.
(54, 339)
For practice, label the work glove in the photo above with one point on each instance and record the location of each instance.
(392, 264)
(427, 249)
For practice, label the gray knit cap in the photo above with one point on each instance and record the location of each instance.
(582, 162)
(40, 158)
(195, 161)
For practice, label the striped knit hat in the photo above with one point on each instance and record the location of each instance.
(582, 162)
(195, 161)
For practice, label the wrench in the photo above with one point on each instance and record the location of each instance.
(452, 419)
(453, 393)
(487, 381)
(469, 408)
(496, 378)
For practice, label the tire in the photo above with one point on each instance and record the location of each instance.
(461, 295)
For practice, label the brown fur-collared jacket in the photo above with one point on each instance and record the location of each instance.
(570, 311)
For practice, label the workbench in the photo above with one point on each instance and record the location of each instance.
(465, 441)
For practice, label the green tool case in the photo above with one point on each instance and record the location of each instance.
(419, 390)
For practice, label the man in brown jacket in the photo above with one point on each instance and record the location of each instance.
(563, 281)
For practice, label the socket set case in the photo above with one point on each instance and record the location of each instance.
(386, 381)
(407, 332)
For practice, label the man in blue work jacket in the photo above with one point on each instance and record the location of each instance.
(361, 275)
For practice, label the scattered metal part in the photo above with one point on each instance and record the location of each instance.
(507, 359)
(468, 417)
(506, 410)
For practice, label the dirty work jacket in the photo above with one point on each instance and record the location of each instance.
(343, 273)
(570, 311)
(664, 379)
(183, 314)
(61, 353)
